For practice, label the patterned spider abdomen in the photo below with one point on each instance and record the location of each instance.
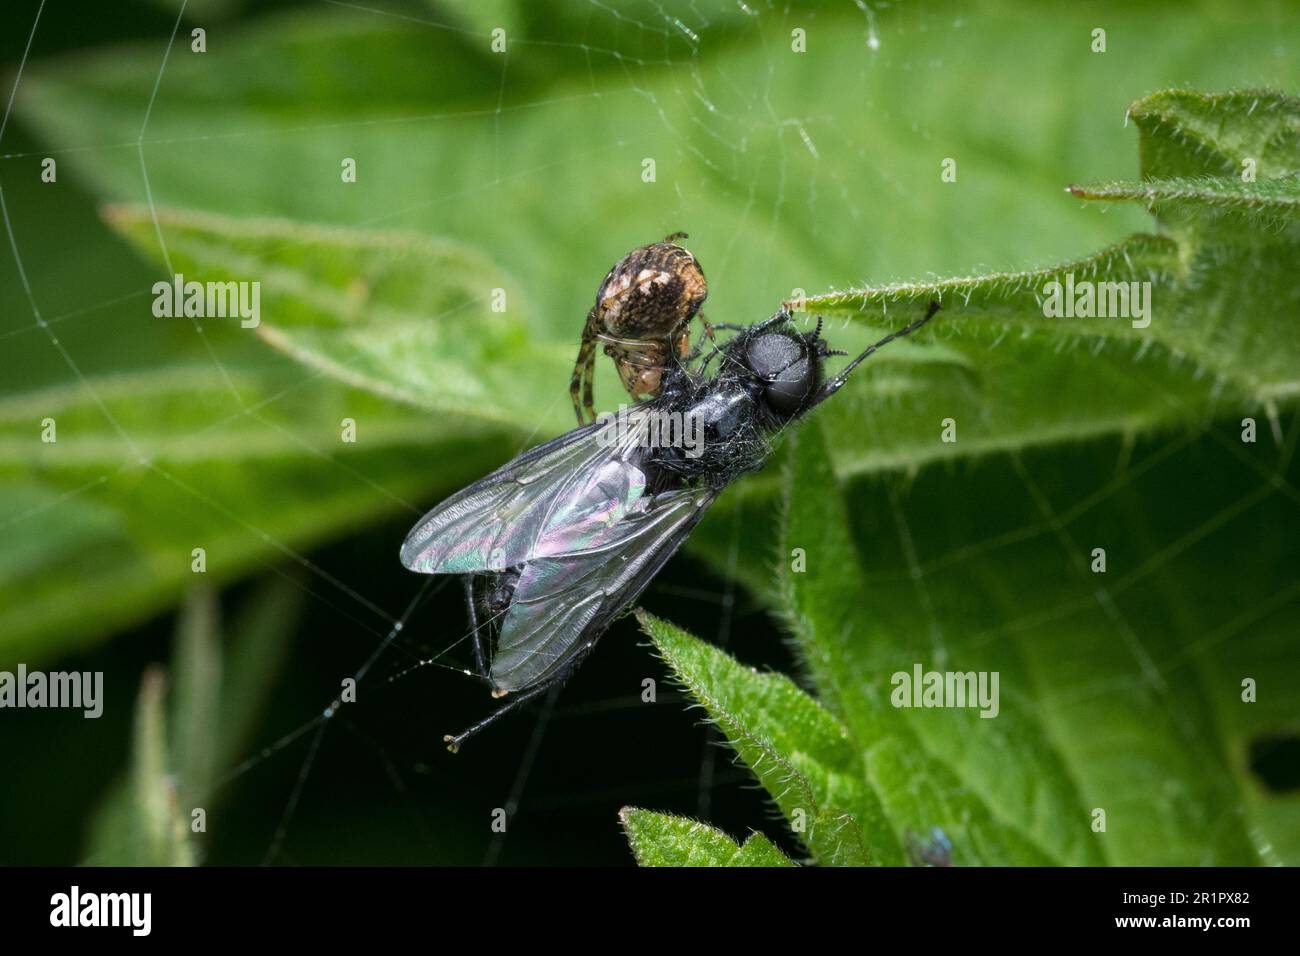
(651, 293)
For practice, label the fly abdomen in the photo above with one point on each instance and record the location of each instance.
(498, 590)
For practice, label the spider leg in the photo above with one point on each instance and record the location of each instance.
(698, 347)
(583, 371)
(575, 383)
(588, 397)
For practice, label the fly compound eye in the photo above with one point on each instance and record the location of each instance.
(782, 362)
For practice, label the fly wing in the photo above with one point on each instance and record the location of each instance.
(564, 600)
(581, 482)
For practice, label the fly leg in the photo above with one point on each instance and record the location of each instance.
(555, 680)
(453, 742)
(581, 370)
(835, 384)
(480, 660)
(782, 315)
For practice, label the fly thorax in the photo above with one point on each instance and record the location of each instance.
(499, 591)
(721, 416)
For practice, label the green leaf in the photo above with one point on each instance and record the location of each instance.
(801, 754)
(408, 318)
(366, 309)
(1103, 680)
(1184, 133)
(197, 698)
(244, 482)
(213, 705)
(823, 606)
(146, 818)
(440, 163)
(163, 824)
(1217, 337)
(484, 16)
(1111, 432)
(983, 353)
(658, 839)
(1266, 203)
(1132, 674)
(439, 160)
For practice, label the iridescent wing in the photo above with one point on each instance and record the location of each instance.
(574, 516)
(564, 494)
(566, 598)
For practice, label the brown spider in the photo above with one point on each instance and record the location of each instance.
(643, 312)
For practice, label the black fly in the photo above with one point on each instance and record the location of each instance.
(558, 542)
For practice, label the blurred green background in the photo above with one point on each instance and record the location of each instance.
(790, 171)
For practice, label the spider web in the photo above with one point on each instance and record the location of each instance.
(679, 44)
(721, 142)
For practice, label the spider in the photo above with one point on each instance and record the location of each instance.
(642, 313)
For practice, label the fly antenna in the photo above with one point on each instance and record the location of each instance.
(835, 384)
